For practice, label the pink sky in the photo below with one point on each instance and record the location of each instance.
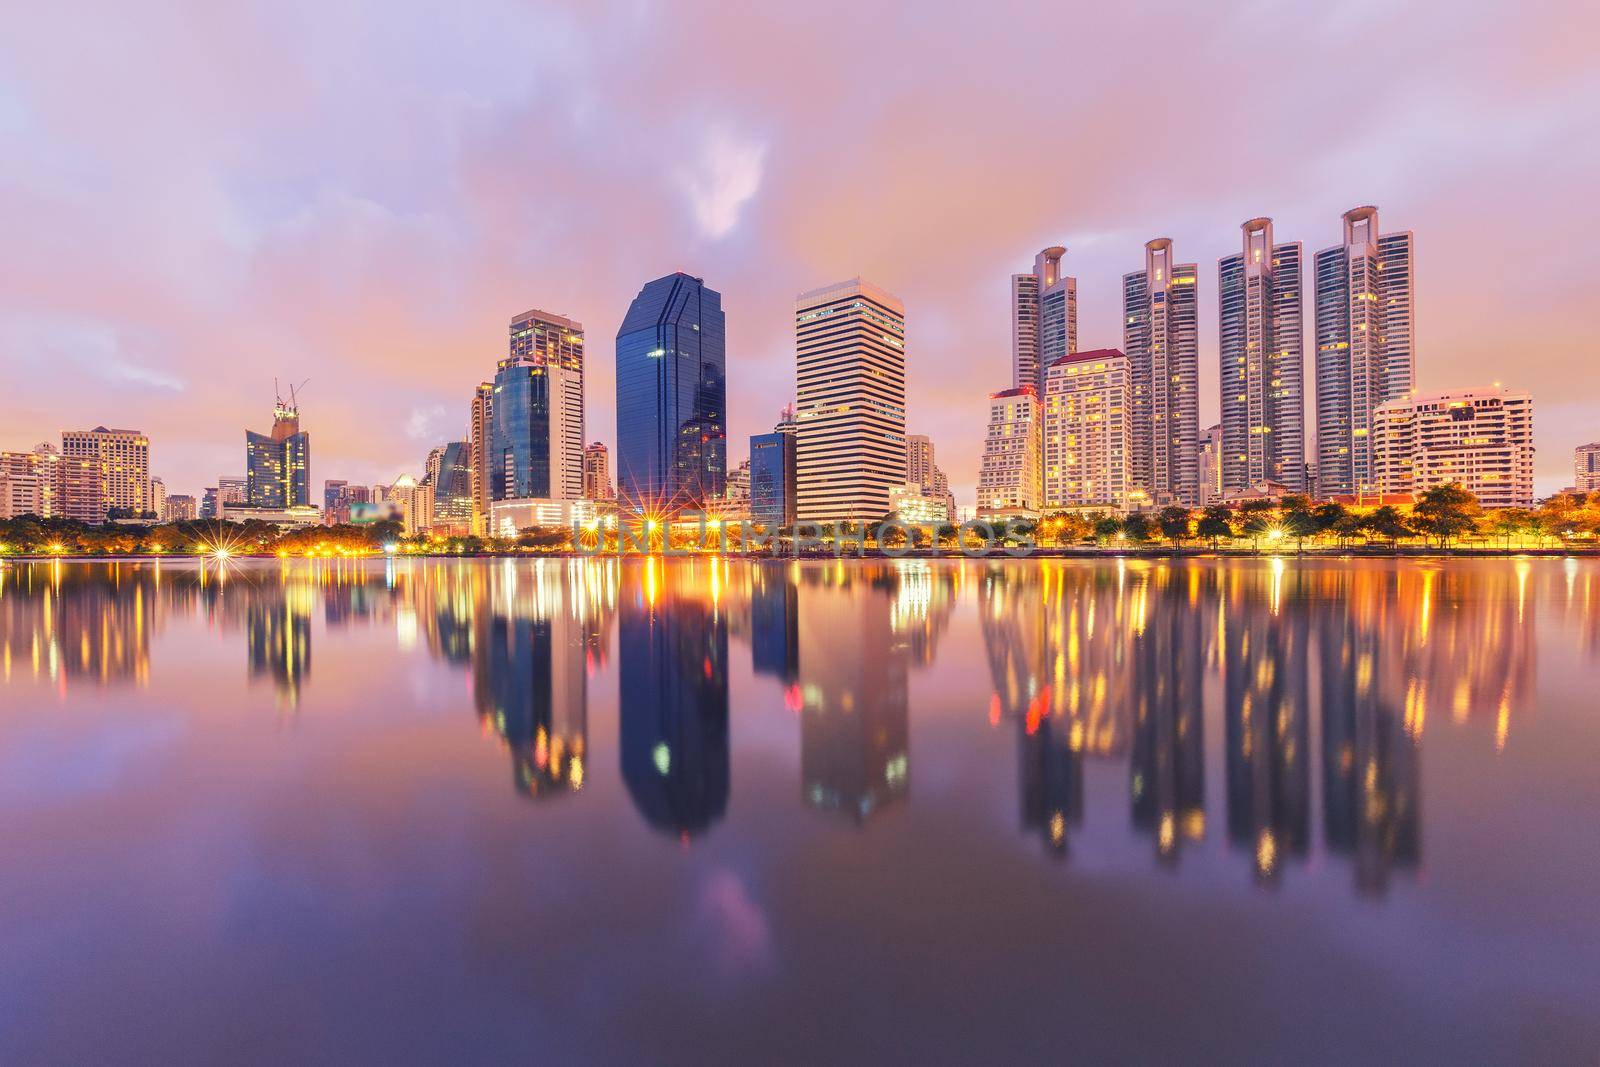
(194, 200)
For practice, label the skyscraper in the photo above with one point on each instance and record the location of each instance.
(123, 461)
(671, 396)
(278, 465)
(1262, 357)
(430, 466)
(1008, 477)
(1210, 461)
(481, 434)
(1161, 335)
(850, 372)
(544, 339)
(1481, 438)
(1366, 332)
(1086, 433)
(1044, 318)
(1586, 468)
(528, 453)
(597, 472)
(452, 489)
(772, 474)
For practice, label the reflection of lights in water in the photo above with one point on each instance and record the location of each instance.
(405, 627)
(1266, 852)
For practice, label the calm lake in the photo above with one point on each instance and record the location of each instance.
(696, 811)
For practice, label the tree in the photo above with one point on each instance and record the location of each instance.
(546, 537)
(1331, 518)
(1300, 524)
(1255, 526)
(1106, 527)
(1138, 527)
(1447, 511)
(1216, 523)
(1512, 522)
(1073, 529)
(1175, 523)
(1386, 522)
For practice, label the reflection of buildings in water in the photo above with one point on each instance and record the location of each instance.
(854, 716)
(1167, 779)
(1265, 659)
(774, 621)
(278, 637)
(533, 632)
(536, 699)
(1370, 767)
(1580, 585)
(1059, 638)
(924, 598)
(69, 621)
(1051, 779)
(1469, 641)
(672, 651)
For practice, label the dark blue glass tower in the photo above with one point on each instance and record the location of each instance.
(278, 465)
(772, 478)
(671, 420)
(518, 463)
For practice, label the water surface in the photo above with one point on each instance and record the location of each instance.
(688, 810)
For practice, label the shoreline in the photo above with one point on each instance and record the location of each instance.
(812, 556)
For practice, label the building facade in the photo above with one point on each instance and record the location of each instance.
(772, 477)
(1262, 355)
(1087, 435)
(1481, 438)
(1365, 345)
(122, 458)
(278, 465)
(452, 489)
(416, 504)
(1586, 468)
(1044, 318)
(529, 455)
(671, 397)
(1209, 458)
(597, 472)
(481, 433)
(1161, 336)
(543, 339)
(850, 377)
(1008, 474)
(180, 508)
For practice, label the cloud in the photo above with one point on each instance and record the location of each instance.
(420, 425)
(97, 349)
(725, 177)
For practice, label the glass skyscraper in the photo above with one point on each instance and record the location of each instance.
(519, 463)
(278, 465)
(772, 484)
(671, 419)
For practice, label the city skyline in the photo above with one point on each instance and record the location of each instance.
(304, 253)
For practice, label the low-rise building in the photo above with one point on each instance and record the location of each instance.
(1479, 438)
